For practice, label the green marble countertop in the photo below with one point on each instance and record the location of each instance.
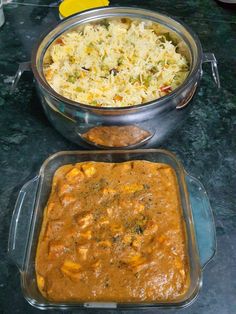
(206, 143)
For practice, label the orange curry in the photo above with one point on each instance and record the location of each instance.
(113, 232)
(116, 136)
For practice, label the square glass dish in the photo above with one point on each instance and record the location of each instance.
(28, 215)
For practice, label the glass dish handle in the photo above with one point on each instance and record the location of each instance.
(203, 220)
(23, 66)
(210, 57)
(21, 222)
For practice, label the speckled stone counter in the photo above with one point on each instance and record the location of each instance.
(206, 143)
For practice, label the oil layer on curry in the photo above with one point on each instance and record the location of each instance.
(113, 232)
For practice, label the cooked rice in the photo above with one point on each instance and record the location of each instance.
(115, 64)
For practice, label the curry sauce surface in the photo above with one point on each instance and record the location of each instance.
(113, 232)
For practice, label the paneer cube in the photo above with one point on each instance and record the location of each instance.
(136, 260)
(71, 269)
(89, 170)
(85, 221)
(132, 188)
(96, 265)
(182, 273)
(67, 199)
(71, 275)
(55, 249)
(86, 235)
(105, 243)
(103, 221)
(137, 242)
(82, 252)
(40, 282)
(109, 211)
(71, 266)
(75, 175)
(63, 189)
(117, 229)
(127, 239)
(53, 228)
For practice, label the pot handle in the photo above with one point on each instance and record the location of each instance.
(210, 57)
(23, 67)
(203, 220)
(21, 222)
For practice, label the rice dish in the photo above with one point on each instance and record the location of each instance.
(116, 63)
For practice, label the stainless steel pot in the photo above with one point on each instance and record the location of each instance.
(142, 125)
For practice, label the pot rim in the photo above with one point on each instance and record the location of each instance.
(156, 102)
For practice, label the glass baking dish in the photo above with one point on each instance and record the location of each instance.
(28, 214)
